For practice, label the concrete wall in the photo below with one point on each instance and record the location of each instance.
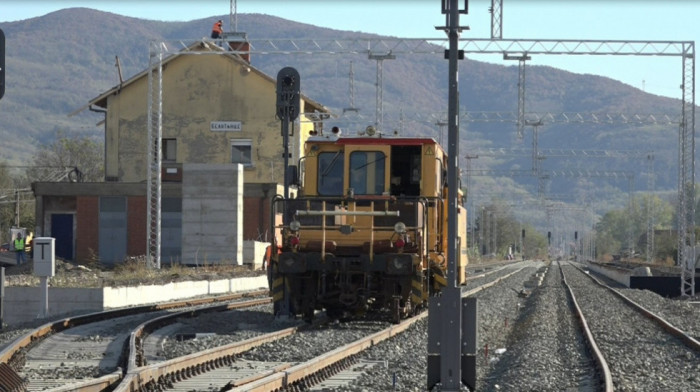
(254, 253)
(618, 275)
(118, 297)
(212, 214)
(23, 304)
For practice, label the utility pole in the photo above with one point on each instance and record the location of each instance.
(521, 90)
(452, 319)
(233, 16)
(16, 207)
(351, 88)
(380, 86)
(650, 208)
(441, 128)
(496, 11)
(2, 63)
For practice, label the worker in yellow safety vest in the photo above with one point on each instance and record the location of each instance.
(19, 249)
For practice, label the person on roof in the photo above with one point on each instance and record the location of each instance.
(217, 30)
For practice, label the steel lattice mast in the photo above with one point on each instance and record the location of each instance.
(686, 181)
(154, 154)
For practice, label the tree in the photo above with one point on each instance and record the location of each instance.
(616, 226)
(58, 160)
(6, 206)
(12, 187)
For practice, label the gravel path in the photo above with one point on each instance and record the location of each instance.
(547, 348)
(406, 354)
(543, 347)
(641, 355)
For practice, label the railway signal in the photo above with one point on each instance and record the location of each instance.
(288, 93)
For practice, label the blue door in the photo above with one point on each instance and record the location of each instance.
(62, 231)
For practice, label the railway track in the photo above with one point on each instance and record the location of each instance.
(246, 366)
(227, 368)
(61, 355)
(605, 314)
(508, 304)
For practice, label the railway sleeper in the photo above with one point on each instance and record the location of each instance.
(323, 374)
(11, 381)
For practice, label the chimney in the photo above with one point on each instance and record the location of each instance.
(238, 42)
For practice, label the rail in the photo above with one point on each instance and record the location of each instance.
(10, 355)
(684, 337)
(281, 377)
(600, 361)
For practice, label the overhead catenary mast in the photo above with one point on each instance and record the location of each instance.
(233, 16)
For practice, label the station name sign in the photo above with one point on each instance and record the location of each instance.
(225, 126)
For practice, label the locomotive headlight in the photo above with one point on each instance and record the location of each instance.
(400, 228)
(294, 225)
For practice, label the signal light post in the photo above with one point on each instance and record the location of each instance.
(288, 92)
(288, 99)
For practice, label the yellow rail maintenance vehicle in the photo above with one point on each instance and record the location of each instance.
(367, 230)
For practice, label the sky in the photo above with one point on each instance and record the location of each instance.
(645, 20)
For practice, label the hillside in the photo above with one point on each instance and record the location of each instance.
(58, 62)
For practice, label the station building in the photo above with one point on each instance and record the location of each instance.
(222, 162)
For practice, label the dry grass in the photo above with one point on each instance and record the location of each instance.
(129, 273)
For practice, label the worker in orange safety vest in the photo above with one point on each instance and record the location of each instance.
(217, 30)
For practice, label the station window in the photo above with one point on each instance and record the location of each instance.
(170, 150)
(242, 151)
(367, 172)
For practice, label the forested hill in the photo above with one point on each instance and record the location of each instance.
(58, 62)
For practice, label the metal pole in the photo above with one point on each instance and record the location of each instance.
(233, 18)
(379, 120)
(16, 208)
(2, 297)
(44, 312)
(496, 11)
(285, 138)
(450, 356)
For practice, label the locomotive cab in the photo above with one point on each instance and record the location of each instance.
(368, 231)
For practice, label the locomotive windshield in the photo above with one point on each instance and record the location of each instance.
(330, 173)
(367, 172)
